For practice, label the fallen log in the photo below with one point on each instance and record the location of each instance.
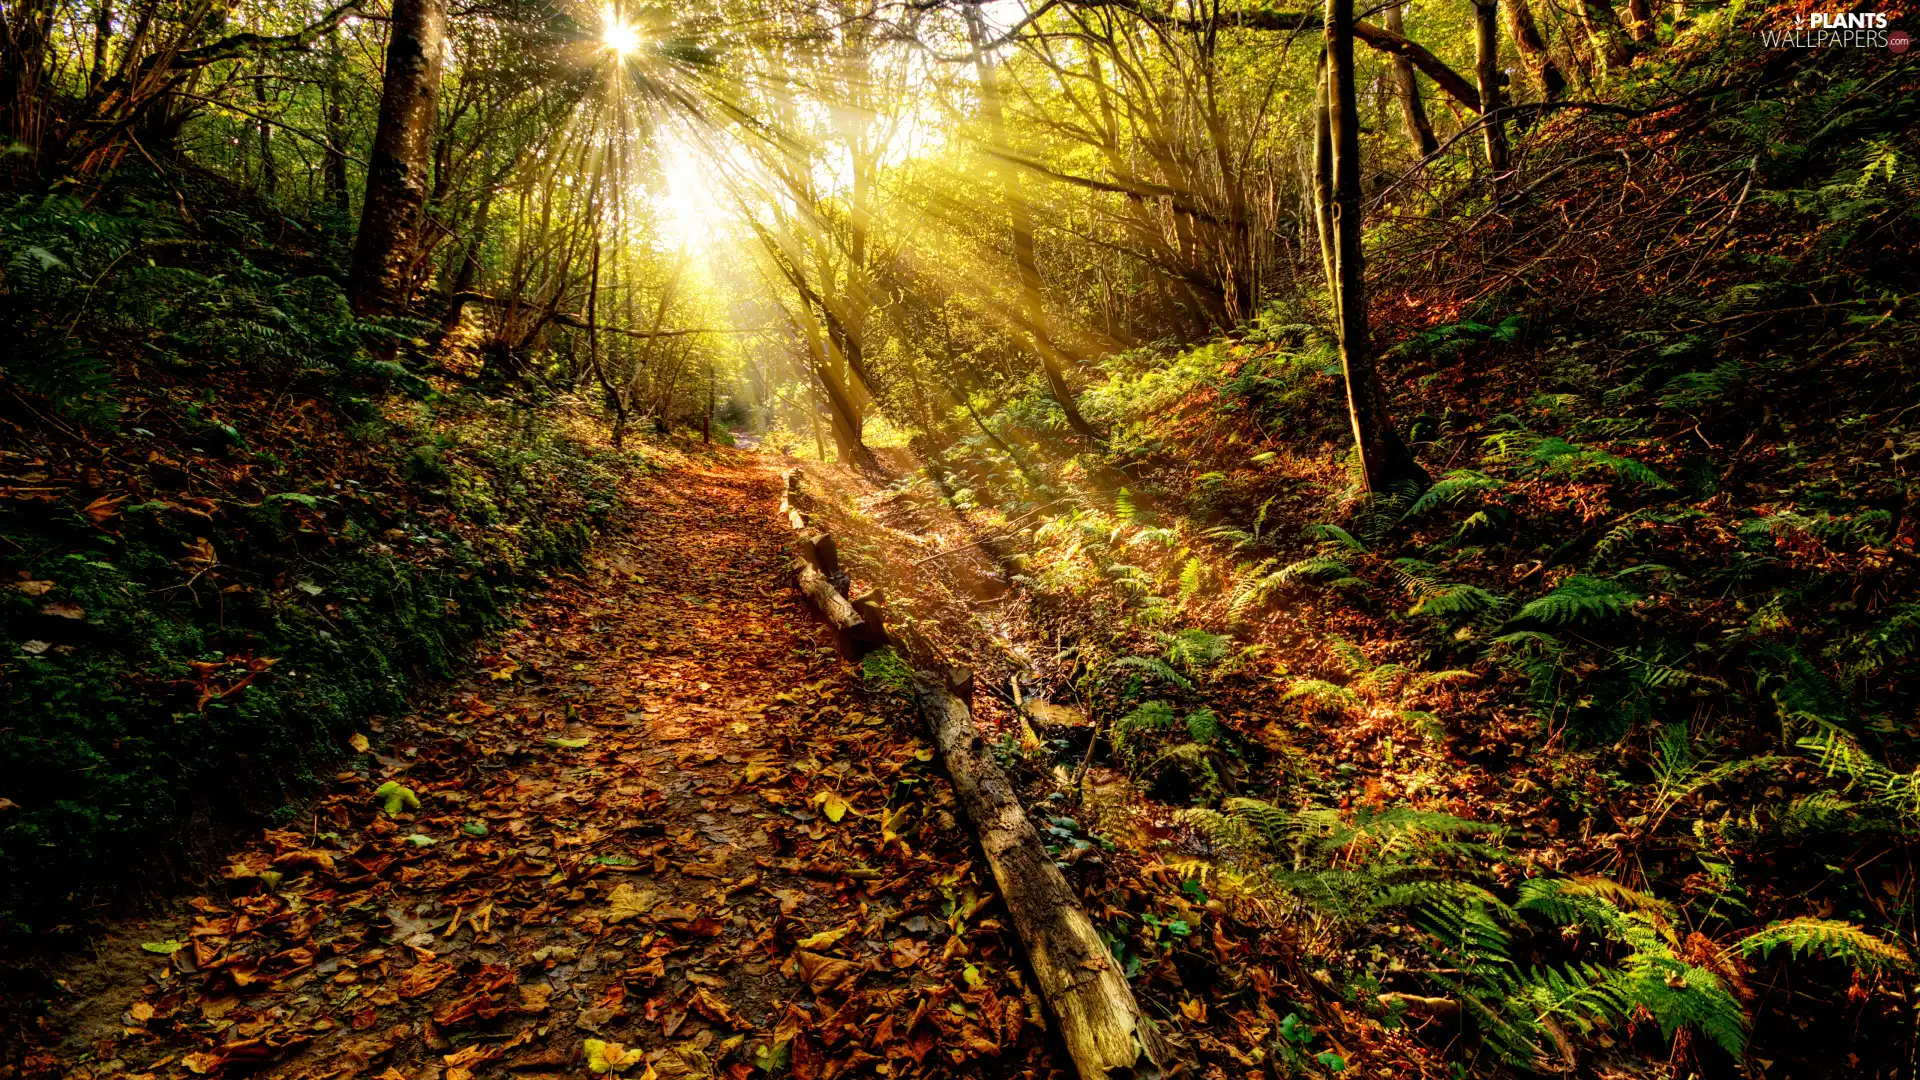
(826, 599)
(1104, 1030)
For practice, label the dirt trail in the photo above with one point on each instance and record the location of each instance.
(663, 830)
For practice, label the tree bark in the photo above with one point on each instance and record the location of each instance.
(1601, 23)
(1100, 1022)
(1486, 69)
(1323, 180)
(269, 175)
(1534, 54)
(1413, 111)
(1640, 21)
(1033, 312)
(1384, 459)
(398, 173)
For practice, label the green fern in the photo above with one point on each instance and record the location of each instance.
(1154, 666)
(1148, 717)
(1830, 938)
(1453, 488)
(1204, 727)
(1579, 600)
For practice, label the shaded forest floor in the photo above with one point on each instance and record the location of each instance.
(649, 840)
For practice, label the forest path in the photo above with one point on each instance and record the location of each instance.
(660, 814)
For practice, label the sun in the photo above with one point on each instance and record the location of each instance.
(617, 35)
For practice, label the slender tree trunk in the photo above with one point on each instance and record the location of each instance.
(1406, 83)
(1534, 54)
(269, 175)
(102, 34)
(1384, 459)
(1602, 26)
(398, 173)
(1026, 265)
(469, 271)
(1640, 21)
(1486, 55)
(1323, 181)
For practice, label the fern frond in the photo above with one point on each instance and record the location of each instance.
(1323, 694)
(1453, 488)
(1579, 600)
(1152, 665)
(1827, 937)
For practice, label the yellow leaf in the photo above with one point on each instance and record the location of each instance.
(359, 743)
(504, 672)
(605, 1057)
(894, 825)
(832, 804)
(758, 769)
(825, 938)
(565, 744)
(163, 948)
(625, 902)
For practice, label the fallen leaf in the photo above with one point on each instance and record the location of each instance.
(163, 948)
(605, 1057)
(392, 796)
(359, 743)
(832, 804)
(822, 973)
(825, 938)
(424, 978)
(64, 610)
(33, 588)
(626, 902)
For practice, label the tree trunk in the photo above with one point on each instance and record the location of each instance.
(1101, 1024)
(398, 172)
(1535, 56)
(1486, 55)
(1602, 27)
(1406, 83)
(1323, 181)
(1640, 21)
(269, 175)
(1026, 265)
(1384, 459)
(469, 269)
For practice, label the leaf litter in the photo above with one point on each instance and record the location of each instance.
(642, 837)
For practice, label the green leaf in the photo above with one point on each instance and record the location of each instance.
(393, 796)
(771, 1057)
(163, 948)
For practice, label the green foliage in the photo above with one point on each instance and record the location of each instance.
(1154, 666)
(1146, 718)
(1580, 600)
(1456, 487)
(1830, 938)
(886, 671)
